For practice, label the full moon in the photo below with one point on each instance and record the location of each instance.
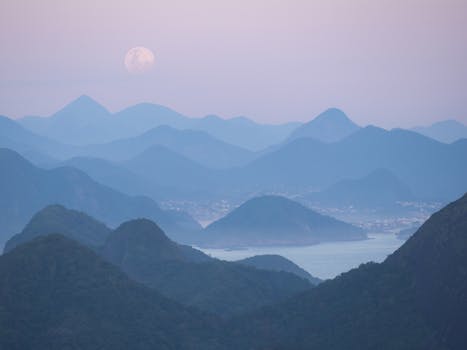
(139, 60)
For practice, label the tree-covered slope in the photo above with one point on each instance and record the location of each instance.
(70, 223)
(278, 263)
(57, 294)
(416, 299)
(142, 250)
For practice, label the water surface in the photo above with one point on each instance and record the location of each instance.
(325, 260)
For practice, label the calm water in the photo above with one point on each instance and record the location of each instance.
(325, 260)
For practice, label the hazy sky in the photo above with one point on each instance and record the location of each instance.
(389, 63)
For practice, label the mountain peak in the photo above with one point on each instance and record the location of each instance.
(139, 237)
(88, 298)
(449, 123)
(56, 218)
(446, 131)
(83, 108)
(332, 114)
(141, 242)
(332, 125)
(85, 99)
(143, 226)
(275, 262)
(276, 220)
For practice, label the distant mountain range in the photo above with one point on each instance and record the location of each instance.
(431, 169)
(447, 131)
(34, 147)
(203, 163)
(84, 121)
(195, 145)
(428, 169)
(26, 189)
(164, 167)
(379, 190)
(142, 250)
(330, 126)
(274, 220)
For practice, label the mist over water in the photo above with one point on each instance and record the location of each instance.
(326, 260)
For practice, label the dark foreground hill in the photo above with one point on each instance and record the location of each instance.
(143, 251)
(278, 263)
(416, 299)
(62, 295)
(275, 220)
(70, 223)
(57, 294)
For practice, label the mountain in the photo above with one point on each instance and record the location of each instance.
(278, 263)
(166, 168)
(70, 223)
(330, 126)
(379, 190)
(29, 144)
(118, 177)
(123, 179)
(62, 295)
(446, 131)
(274, 220)
(73, 124)
(243, 132)
(406, 233)
(141, 249)
(433, 170)
(415, 299)
(84, 121)
(195, 145)
(26, 189)
(141, 242)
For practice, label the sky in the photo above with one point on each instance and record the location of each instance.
(389, 63)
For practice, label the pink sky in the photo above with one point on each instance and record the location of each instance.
(389, 63)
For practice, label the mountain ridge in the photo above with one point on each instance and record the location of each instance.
(26, 189)
(447, 131)
(413, 300)
(137, 119)
(143, 251)
(60, 293)
(329, 126)
(275, 220)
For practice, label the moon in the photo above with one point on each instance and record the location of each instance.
(139, 60)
